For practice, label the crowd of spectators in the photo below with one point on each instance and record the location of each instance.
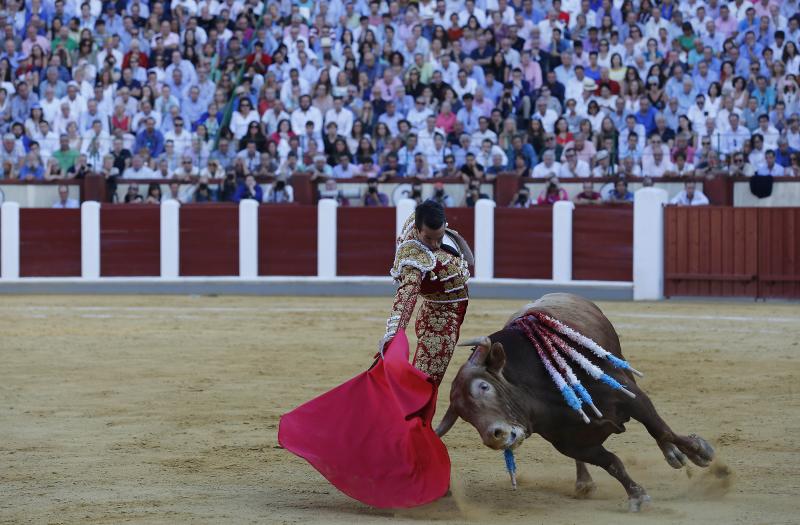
(220, 92)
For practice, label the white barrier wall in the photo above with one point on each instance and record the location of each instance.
(90, 240)
(648, 244)
(562, 241)
(326, 238)
(248, 238)
(170, 238)
(484, 239)
(9, 240)
(648, 264)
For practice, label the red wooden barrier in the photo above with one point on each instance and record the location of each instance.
(523, 243)
(779, 252)
(711, 251)
(287, 240)
(365, 240)
(463, 221)
(602, 243)
(130, 242)
(209, 239)
(49, 242)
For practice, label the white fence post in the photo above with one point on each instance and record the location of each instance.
(90, 240)
(484, 239)
(562, 241)
(170, 238)
(248, 238)
(326, 238)
(405, 207)
(9, 240)
(648, 244)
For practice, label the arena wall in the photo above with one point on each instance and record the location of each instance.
(646, 251)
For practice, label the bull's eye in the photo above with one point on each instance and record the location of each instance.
(481, 388)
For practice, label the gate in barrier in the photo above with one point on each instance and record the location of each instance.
(729, 252)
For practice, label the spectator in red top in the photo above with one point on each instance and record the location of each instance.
(258, 59)
(552, 193)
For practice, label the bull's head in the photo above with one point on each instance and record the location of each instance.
(481, 396)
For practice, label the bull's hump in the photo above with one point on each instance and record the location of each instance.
(578, 313)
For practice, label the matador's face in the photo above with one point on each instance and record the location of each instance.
(432, 238)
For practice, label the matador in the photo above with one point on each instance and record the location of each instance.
(432, 262)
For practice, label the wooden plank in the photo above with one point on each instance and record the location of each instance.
(682, 240)
(717, 277)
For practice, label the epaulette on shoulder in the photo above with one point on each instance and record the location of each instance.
(415, 254)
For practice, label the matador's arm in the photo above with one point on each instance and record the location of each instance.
(404, 300)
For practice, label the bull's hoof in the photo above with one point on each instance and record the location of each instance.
(584, 489)
(702, 453)
(674, 457)
(636, 503)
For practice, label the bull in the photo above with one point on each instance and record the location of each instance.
(506, 392)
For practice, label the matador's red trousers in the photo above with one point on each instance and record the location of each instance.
(437, 328)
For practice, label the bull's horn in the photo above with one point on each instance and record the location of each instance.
(447, 421)
(477, 341)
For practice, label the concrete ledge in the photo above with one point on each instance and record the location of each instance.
(302, 286)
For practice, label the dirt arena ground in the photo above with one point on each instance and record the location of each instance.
(165, 410)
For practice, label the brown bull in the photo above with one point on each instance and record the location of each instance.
(506, 393)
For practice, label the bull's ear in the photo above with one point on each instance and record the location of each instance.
(496, 359)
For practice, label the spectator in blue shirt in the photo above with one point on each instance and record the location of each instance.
(32, 170)
(646, 116)
(518, 148)
(248, 190)
(150, 138)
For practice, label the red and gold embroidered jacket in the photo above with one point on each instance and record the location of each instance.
(438, 276)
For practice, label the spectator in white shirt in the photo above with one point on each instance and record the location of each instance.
(342, 116)
(242, 118)
(96, 143)
(418, 114)
(548, 167)
(64, 200)
(181, 139)
(768, 132)
(690, 196)
(484, 132)
(657, 165)
(573, 167)
(137, 169)
(273, 116)
(344, 170)
(734, 138)
(464, 84)
(770, 167)
(547, 116)
(306, 113)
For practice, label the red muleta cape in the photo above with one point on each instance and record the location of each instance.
(372, 438)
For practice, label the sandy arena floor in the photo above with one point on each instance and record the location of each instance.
(165, 410)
